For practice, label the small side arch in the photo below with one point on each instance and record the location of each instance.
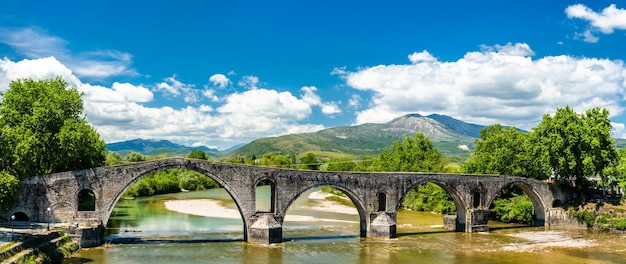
(86, 200)
(266, 181)
(19, 216)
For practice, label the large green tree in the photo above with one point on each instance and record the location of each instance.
(575, 146)
(43, 129)
(505, 151)
(415, 153)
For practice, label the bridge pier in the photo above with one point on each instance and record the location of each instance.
(265, 228)
(382, 225)
(477, 220)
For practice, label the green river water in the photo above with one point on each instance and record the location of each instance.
(144, 231)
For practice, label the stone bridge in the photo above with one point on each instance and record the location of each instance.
(376, 196)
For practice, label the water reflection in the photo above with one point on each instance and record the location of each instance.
(143, 231)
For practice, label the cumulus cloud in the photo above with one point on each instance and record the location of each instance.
(35, 43)
(423, 56)
(118, 114)
(498, 84)
(174, 88)
(249, 82)
(607, 21)
(310, 96)
(219, 80)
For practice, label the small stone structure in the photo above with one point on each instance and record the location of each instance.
(376, 196)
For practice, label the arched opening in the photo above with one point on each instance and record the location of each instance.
(557, 203)
(515, 205)
(174, 205)
(86, 200)
(430, 207)
(264, 196)
(476, 198)
(322, 212)
(19, 216)
(382, 201)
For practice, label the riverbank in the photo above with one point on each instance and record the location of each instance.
(215, 208)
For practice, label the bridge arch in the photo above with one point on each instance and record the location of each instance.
(358, 203)
(539, 204)
(172, 164)
(457, 199)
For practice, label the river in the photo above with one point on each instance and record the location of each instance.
(144, 231)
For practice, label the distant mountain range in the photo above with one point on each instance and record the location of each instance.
(155, 147)
(454, 138)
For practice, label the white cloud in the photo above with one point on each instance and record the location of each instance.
(249, 82)
(173, 87)
(35, 43)
(117, 113)
(311, 98)
(499, 84)
(219, 80)
(587, 36)
(355, 101)
(607, 21)
(133, 93)
(423, 56)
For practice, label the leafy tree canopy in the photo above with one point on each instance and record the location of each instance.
(504, 151)
(9, 188)
(575, 146)
(42, 130)
(199, 154)
(415, 153)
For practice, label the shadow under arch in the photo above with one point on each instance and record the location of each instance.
(459, 205)
(353, 198)
(174, 165)
(539, 208)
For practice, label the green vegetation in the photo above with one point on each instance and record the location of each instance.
(504, 151)
(516, 209)
(429, 197)
(170, 181)
(43, 130)
(575, 146)
(199, 154)
(9, 188)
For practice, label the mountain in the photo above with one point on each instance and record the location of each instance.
(452, 137)
(155, 147)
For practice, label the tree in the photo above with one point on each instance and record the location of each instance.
(309, 161)
(198, 154)
(135, 157)
(43, 129)
(415, 153)
(504, 151)
(575, 146)
(9, 188)
(340, 164)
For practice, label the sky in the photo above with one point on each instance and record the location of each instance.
(222, 73)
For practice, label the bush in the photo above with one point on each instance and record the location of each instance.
(170, 181)
(429, 197)
(517, 209)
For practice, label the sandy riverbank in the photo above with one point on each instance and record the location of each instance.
(214, 208)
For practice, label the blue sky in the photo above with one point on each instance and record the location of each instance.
(223, 73)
